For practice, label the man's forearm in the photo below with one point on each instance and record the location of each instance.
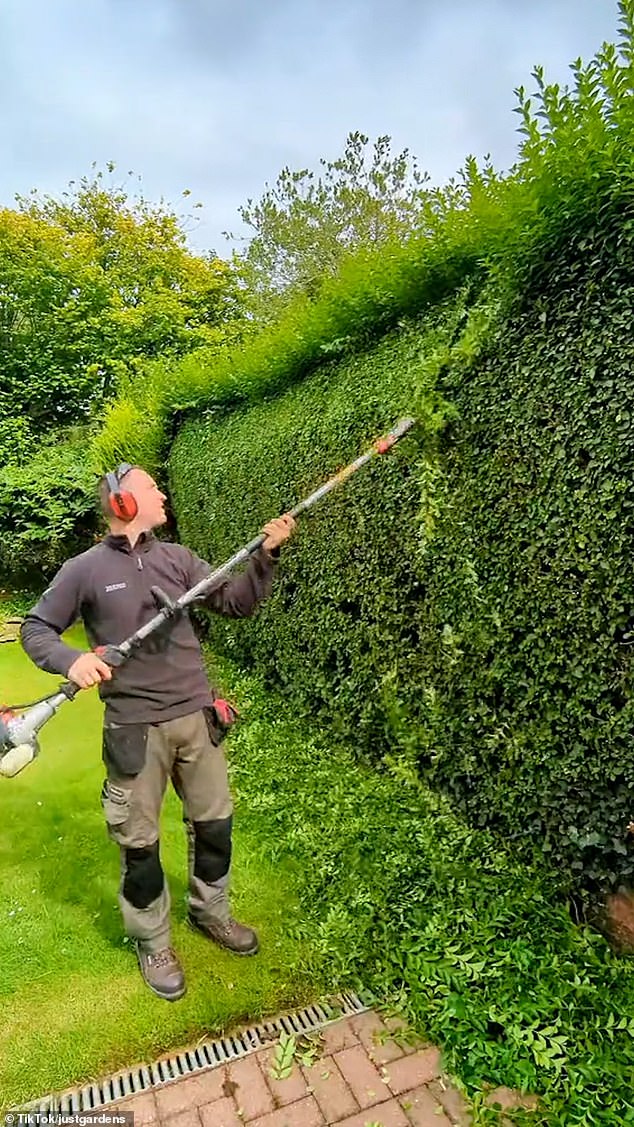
(45, 647)
(240, 594)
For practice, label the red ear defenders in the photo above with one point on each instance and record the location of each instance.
(122, 505)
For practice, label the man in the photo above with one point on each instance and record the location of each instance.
(160, 722)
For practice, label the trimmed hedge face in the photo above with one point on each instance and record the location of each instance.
(532, 568)
(466, 607)
(341, 604)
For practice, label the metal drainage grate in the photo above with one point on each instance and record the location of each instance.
(209, 1055)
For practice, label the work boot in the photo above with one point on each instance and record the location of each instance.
(231, 935)
(162, 972)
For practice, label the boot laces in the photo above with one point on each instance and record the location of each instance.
(163, 958)
(229, 926)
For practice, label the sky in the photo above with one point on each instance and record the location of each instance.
(217, 96)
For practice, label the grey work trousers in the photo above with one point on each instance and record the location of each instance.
(181, 750)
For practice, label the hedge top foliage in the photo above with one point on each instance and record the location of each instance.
(370, 294)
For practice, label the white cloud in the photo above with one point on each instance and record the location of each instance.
(217, 96)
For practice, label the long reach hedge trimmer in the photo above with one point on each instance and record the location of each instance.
(19, 724)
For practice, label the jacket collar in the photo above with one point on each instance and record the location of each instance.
(120, 543)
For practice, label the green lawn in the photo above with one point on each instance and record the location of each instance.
(72, 1003)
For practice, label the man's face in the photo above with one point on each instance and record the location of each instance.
(150, 500)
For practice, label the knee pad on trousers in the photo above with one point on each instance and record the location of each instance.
(212, 849)
(143, 880)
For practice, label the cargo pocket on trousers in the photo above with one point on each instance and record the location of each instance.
(124, 748)
(116, 806)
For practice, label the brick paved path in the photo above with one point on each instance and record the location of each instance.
(358, 1079)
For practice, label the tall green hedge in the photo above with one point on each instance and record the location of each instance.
(467, 604)
(464, 608)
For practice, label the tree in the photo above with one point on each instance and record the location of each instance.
(90, 285)
(305, 223)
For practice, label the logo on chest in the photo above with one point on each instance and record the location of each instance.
(115, 587)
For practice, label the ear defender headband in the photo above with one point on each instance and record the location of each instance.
(122, 505)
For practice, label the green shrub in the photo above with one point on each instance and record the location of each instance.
(90, 286)
(16, 439)
(47, 510)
